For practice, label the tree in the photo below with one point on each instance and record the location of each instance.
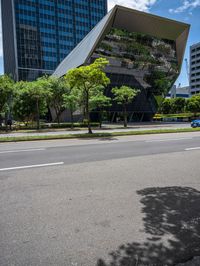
(99, 102)
(7, 90)
(193, 104)
(166, 106)
(70, 101)
(123, 96)
(23, 105)
(87, 80)
(32, 99)
(41, 94)
(58, 88)
(177, 105)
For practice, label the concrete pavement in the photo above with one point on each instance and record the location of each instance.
(105, 129)
(125, 201)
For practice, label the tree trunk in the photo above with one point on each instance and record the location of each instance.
(37, 114)
(125, 116)
(57, 115)
(6, 121)
(84, 113)
(88, 114)
(1, 121)
(72, 119)
(100, 119)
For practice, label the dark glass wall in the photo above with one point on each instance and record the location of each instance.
(47, 31)
(140, 61)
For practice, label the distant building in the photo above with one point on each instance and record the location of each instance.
(177, 91)
(144, 52)
(39, 34)
(195, 68)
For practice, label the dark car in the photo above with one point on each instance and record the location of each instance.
(195, 123)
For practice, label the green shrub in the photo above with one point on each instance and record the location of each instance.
(76, 125)
(49, 126)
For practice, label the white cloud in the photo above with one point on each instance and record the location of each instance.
(187, 5)
(143, 5)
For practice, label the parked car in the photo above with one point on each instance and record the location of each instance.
(195, 123)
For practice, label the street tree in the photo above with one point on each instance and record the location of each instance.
(57, 87)
(177, 105)
(123, 96)
(31, 100)
(99, 102)
(165, 107)
(70, 102)
(7, 90)
(193, 104)
(40, 93)
(23, 105)
(87, 80)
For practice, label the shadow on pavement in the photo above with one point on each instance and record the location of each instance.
(107, 138)
(172, 224)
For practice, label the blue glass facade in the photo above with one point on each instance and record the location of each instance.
(47, 30)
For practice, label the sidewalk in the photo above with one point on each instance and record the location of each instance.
(105, 129)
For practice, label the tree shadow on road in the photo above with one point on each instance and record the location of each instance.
(108, 138)
(172, 224)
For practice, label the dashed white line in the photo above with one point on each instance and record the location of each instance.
(18, 151)
(192, 149)
(31, 166)
(162, 140)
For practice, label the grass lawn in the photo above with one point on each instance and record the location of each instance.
(97, 135)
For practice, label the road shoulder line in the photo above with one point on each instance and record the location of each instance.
(30, 166)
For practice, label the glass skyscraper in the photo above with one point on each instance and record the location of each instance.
(39, 34)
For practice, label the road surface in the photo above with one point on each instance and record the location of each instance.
(121, 201)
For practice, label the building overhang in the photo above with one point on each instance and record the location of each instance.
(132, 21)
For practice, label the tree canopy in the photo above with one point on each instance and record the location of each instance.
(31, 100)
(71, 101)
(87, 80)
(7, 90)
(173, 106)
(180, 105)
(193, 104)
(57, 87)
(123, 96)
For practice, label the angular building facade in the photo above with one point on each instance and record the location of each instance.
(144, 52)
(39, 34)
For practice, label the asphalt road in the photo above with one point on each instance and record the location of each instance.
(119, 201)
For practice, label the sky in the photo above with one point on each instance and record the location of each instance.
(187, 11)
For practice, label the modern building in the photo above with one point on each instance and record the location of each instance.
(179, 92)
(39, 34)
(144, 51)
(195, 68)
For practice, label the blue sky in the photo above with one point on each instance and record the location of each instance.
(187, 11)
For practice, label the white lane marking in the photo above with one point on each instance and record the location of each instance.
(16, 151)
(31, 166)
(162, 140)
(192, 149)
